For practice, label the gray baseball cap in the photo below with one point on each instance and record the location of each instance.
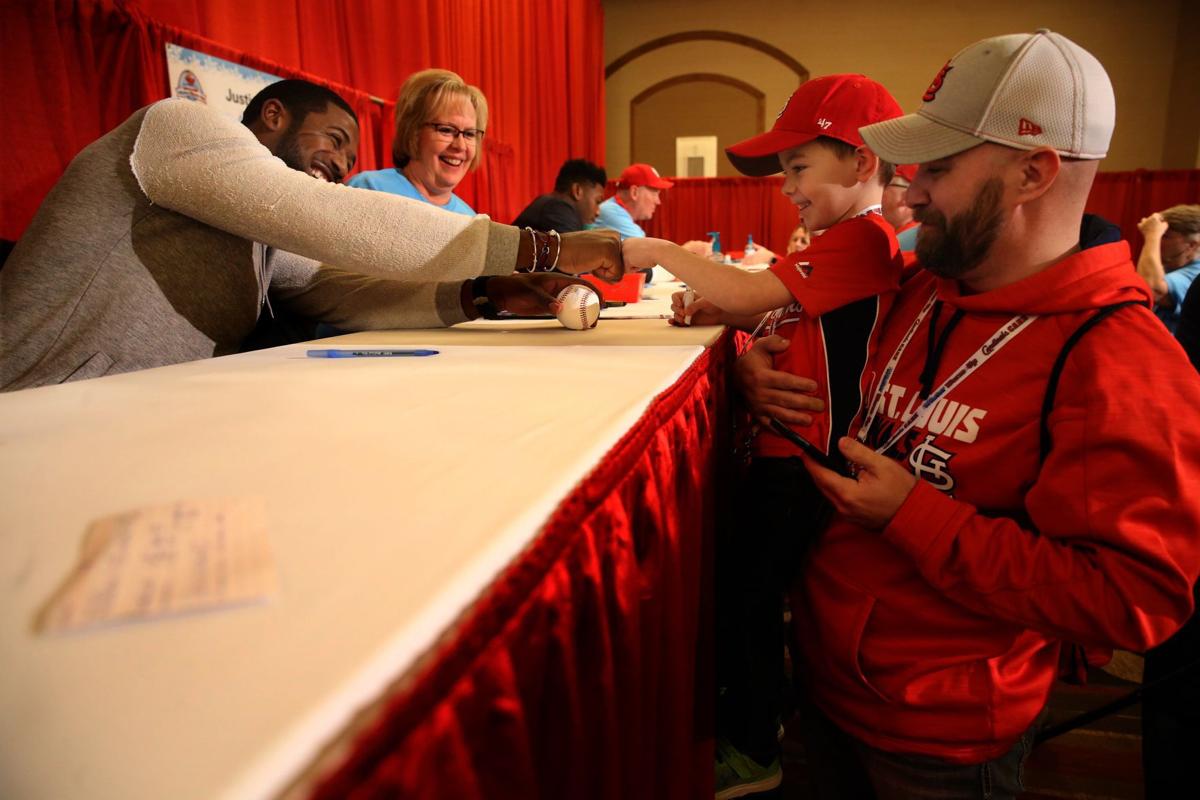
(1023, 90)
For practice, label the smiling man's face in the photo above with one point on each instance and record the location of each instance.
(323, 144)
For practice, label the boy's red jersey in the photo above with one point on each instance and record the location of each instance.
(843, 286)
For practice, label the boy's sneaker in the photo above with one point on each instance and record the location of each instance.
(738, 775)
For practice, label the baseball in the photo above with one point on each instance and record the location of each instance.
(580, 307)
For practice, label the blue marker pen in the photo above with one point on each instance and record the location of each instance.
(339, 353)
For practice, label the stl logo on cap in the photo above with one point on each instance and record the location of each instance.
(785, 107)
(936, 86)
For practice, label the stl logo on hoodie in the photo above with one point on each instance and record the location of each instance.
(952, 420)
(932, 464)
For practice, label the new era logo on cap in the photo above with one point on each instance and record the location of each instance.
(1027, 128)
(1023, 90)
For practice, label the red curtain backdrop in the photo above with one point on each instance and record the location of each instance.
(71, 70)
(585, 672)
(737, 207)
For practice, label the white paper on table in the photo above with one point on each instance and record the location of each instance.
(151, 562)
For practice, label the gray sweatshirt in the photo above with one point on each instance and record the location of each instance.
(163, 238)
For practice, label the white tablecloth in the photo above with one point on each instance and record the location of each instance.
(395, 490)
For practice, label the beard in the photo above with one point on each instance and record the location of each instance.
(952, 248)
(289, 146)
(290, 152)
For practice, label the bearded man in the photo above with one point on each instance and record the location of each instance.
(1020, 490)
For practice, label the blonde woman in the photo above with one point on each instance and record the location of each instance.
(440, 122)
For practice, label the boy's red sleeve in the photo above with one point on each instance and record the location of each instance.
(854, 259)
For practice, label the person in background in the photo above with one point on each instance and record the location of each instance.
(639, 194)
(440, 123)
(973, 544)
(798, 240)
(896, 209)
(1170, 258)
(165, 239)
(573, 205)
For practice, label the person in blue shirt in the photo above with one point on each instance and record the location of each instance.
(1170, 258)
(638, 196)
(440, 123)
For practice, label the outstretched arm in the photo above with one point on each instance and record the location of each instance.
(730, 288)
(351, 301)
(192, 160)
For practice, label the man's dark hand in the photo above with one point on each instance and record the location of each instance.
(597, 252)
(771, 393)
(529, 295)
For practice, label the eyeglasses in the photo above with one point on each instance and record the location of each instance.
(448, 133)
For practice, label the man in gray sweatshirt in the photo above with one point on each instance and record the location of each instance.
(166, 238)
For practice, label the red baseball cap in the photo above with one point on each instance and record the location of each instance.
(834, 105)
(643, 175)
(907, 171)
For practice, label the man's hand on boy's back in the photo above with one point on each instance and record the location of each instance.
(772, 393)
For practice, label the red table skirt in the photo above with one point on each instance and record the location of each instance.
(584, 671)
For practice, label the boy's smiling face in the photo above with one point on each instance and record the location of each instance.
(822, 185)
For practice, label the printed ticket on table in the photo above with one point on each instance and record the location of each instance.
(187, 556)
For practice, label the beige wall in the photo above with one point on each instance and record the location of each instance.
(697, 108)
(1150, 60)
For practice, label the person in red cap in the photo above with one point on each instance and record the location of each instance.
(639, 193)
(828, 300)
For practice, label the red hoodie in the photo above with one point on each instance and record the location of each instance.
(939, 635)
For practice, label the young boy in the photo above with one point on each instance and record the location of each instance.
(830, 300)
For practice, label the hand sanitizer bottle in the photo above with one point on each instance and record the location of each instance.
(717, 255)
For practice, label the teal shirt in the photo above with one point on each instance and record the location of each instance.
(393, 181)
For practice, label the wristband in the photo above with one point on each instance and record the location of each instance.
(479, 298)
